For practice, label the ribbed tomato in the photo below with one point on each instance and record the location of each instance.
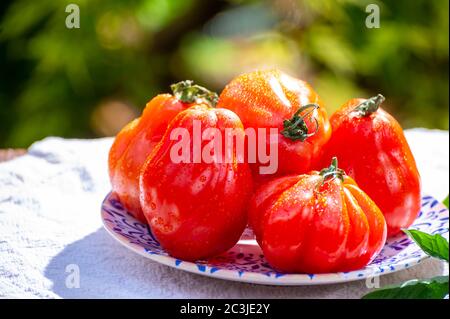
(316, 223)
(135, 141)
(196, 206)
(372, 149)
(273, 99)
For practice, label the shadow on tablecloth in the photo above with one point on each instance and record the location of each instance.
(109, 270)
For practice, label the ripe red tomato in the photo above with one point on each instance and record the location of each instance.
(372, 149)
(272, 99)
(316, 223)
(136, 140)
(197, 209)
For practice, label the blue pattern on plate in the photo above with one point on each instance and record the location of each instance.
(247, 260)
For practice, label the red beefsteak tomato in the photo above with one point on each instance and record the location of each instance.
(196, 207)
(136, 140)
(372, 149)
(316, 223)
(273, 99)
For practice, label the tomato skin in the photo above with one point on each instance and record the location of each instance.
(196, 210)
(265, 99)
(373, 150)
(307, 225)
(133, 145)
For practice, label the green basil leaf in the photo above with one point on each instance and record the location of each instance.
(445, 202)
(434, 245)
(435, 288)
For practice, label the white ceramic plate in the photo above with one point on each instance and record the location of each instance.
(245, 261)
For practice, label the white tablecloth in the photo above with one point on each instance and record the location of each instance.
(50, 228)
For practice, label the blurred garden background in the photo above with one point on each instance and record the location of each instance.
(90, 81)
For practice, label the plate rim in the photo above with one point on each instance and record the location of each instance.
(289, 279)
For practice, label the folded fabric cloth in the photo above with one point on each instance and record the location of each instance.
(51, 231)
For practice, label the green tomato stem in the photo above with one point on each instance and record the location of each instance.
(296, 128)
(188, 92)
(370, 105)
(332, 171)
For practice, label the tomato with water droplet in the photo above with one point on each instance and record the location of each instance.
(372, 148)
(135, 141)
(318, 222)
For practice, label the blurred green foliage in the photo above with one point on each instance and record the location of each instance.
(90, 81)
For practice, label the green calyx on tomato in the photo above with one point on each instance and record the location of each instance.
(332, 171)
(296, 128)
(188, 92)
(370, 105)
